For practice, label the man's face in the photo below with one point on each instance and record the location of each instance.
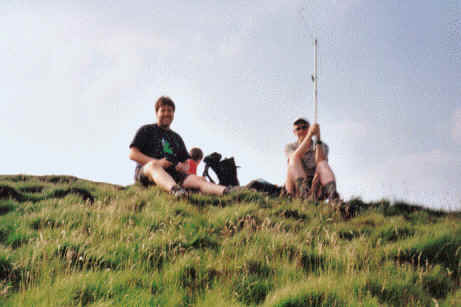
(165, 116)
(300, 130)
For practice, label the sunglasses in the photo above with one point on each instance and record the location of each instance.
(303, 127)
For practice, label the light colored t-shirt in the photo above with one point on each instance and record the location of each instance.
(308, 160)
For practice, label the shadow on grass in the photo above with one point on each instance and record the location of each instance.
(31, 189)
(7, 192)
(397, 292)
(9, 273)
(414, 213)
(202, 200)
(251, 290)
(310, 261)
(291, 214)
(443, 250)
(252, 283)
(311, 298)
(11, 236)
(6, 206)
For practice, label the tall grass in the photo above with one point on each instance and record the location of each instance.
(70, 242)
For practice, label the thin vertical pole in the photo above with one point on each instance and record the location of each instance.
(315, 79)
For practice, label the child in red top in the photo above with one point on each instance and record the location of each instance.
(196, 155)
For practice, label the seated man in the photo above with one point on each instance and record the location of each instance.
(308, 168)
(160, 154)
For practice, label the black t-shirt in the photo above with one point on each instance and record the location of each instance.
(159, 143)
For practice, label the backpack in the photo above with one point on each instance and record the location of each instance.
(225, 169)
(264, 186)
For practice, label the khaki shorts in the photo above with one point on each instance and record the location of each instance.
(303, 187)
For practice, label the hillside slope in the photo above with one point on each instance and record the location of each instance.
(66, 241)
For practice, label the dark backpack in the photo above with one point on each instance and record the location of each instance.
(225, 169)
(262, 185)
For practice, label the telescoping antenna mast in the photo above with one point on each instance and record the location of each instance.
(315, 78)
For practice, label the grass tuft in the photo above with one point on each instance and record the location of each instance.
(437, 282)
(443, 249)
(6, 206)
(311, 298)
(251, 290)
(7, 192)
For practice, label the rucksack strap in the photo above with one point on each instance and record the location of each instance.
(205, 173)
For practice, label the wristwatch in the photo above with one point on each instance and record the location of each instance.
(318, 142)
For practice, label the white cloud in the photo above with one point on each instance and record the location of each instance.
(430, 178)
(456, 130)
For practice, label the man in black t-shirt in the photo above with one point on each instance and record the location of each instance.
(160, 154)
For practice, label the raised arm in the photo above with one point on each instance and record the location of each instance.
(306, 143)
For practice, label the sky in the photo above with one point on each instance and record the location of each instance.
(80, 77)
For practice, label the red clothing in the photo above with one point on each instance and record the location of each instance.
(192, 167)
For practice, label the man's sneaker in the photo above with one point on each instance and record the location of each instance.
(178, 192)
(330, 192)
(231, 189)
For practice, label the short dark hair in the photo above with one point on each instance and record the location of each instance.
(196, 153)
(164, 101)
(301, 121)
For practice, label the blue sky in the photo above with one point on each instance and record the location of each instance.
(80, 78)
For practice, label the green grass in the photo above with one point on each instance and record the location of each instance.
(65, 241)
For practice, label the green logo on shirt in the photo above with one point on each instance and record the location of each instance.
(166, 147)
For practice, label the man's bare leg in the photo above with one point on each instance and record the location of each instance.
(158, 175)
(196, 182)
(290, 183)
(295, 171)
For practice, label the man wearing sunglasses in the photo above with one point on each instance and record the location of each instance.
(307, 166)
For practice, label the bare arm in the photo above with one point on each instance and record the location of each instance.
(319, 154)
(142, 159)
(306, 143)
(182, 167)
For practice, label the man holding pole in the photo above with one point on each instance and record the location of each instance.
(308, 173)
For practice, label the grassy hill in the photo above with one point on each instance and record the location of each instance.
(65, 241)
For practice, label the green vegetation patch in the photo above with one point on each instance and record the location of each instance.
(437, 282)
(402, 286)
(392, 233)
(311, 298)
(312, 261)
(444, 249)
(321, 292)
(31, 189)
(12, 234)
(10, 274)
(136, 246)
(251, 289)
(397, 292)
(6, 206)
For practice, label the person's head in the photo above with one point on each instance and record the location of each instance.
(164, 110)
(300, 127)
(196, 154)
